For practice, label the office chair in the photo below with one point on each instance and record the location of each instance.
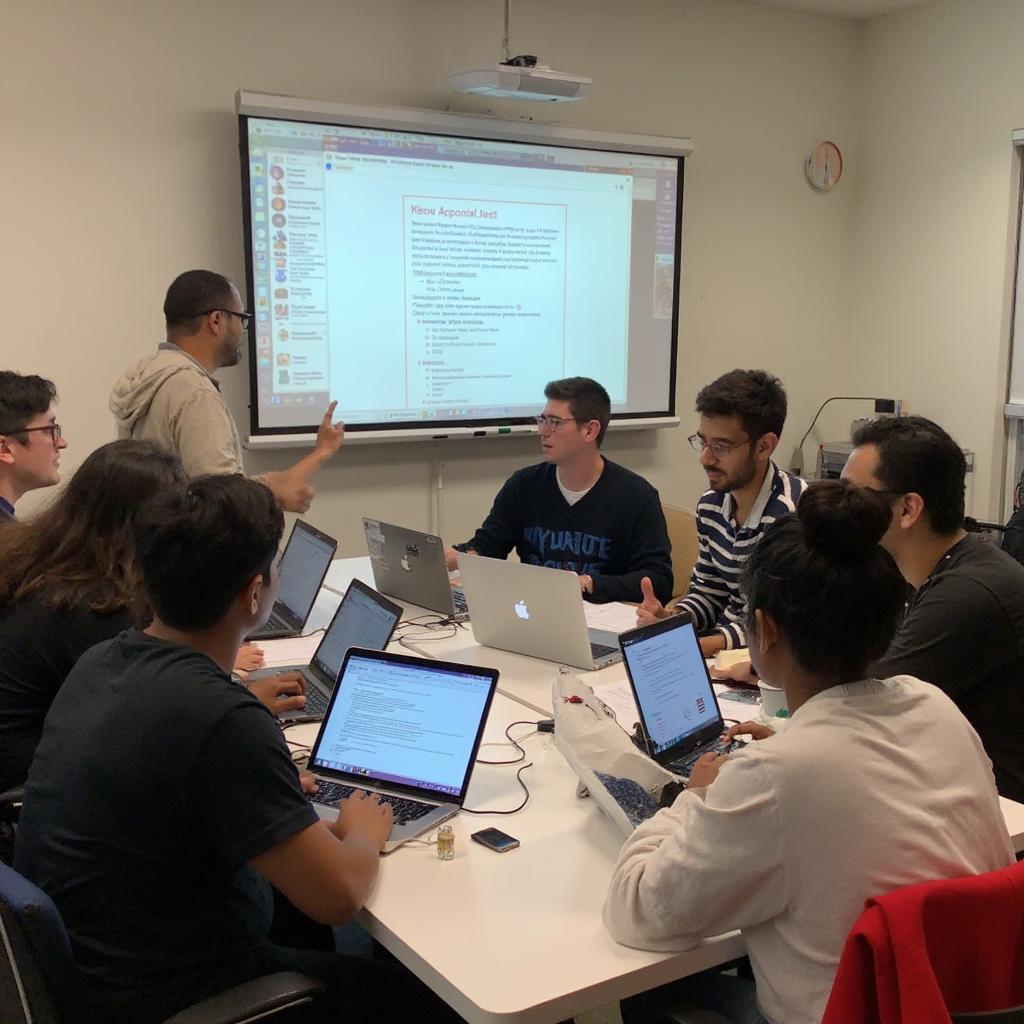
(10, 810)
(917, 953)
(682, 533)
(36, 966)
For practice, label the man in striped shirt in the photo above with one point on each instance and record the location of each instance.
(742, 414)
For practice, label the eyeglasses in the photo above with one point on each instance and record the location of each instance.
(245, 316)
(552, 422)
(717, 448)
(52, 428)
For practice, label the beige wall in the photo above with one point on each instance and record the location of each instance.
(121, 169)
(934, 221)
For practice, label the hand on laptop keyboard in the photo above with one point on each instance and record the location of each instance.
(283, 692)
(707, 767)
(403, 810)
(365, 814)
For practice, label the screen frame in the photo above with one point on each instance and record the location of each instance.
(472, 126)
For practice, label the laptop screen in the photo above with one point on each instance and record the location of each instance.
(671, 683)
(364, 619)
(405, 721)
(306, 559)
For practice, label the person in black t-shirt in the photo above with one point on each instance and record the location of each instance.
(163, 803)
(578, 510)
(964, 624)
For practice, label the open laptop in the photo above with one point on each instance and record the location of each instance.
(363, 619)
(405, 728)
(410, 566)
(679, 714)
(302, 568)
(533, 610)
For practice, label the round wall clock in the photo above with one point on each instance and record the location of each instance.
(824, 166)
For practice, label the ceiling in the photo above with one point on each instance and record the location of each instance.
(845, 8)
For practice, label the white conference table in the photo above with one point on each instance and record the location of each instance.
(517, 938)
(527, 680)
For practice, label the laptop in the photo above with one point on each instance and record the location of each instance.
(363, 619)
(405, 728)
(534, 610)
(302, 568)
(680, 719)
(410, 565)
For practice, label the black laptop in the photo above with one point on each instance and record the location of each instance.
(679, 715)
(363, 619)
(302, 568)
(407, 729)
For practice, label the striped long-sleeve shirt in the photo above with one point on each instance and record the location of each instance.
(714, 599)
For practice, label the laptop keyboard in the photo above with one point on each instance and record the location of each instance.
(404, 810)
(459, 602)
(602, 650)
(685, 764)
(316, 702)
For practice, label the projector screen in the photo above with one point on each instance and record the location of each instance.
(432, 272)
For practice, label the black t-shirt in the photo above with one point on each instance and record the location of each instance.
(156, 779)
(615, 533)
(38, 648)
(964, 632)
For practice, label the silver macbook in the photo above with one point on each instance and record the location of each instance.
(302, 568)
(679, 715)
(530, 609)
(410, 566)
(363, 619)
(405, 728)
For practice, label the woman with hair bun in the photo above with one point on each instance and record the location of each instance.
(874, 784)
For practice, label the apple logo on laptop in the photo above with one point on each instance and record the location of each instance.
(521, 610)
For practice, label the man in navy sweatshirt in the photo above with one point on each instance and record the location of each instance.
(578, 510)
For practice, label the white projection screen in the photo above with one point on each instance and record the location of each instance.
(433, 271)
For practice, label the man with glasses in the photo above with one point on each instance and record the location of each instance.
(964, 625)
(742, 414)
(30, 438)
(173, 398)
(578, 510)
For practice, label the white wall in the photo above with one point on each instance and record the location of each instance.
(121, 170)
(934, 218)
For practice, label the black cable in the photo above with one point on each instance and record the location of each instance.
(834, 398)
(515, 743)
(526, 798)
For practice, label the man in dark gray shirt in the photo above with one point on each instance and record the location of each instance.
(964, 624)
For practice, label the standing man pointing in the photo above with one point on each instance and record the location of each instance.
(173, 398)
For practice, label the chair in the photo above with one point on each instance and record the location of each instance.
(10, 811)
(682, 532)
(945, 952)
(36, 967)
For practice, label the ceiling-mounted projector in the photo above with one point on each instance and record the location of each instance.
(519, 78)
(513, 81)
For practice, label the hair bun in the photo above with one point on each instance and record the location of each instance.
(841, 520)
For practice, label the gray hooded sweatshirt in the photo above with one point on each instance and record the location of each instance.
(169, 398)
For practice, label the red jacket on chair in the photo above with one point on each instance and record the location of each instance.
(919, 952)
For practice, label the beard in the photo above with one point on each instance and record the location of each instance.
(231, 353)
(740, 477)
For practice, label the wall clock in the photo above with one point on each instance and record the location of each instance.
(824, 166)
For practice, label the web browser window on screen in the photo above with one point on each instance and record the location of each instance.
(417, 277)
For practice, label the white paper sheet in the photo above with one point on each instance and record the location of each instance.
(615, 616)
(292, 651)
(619, 697)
